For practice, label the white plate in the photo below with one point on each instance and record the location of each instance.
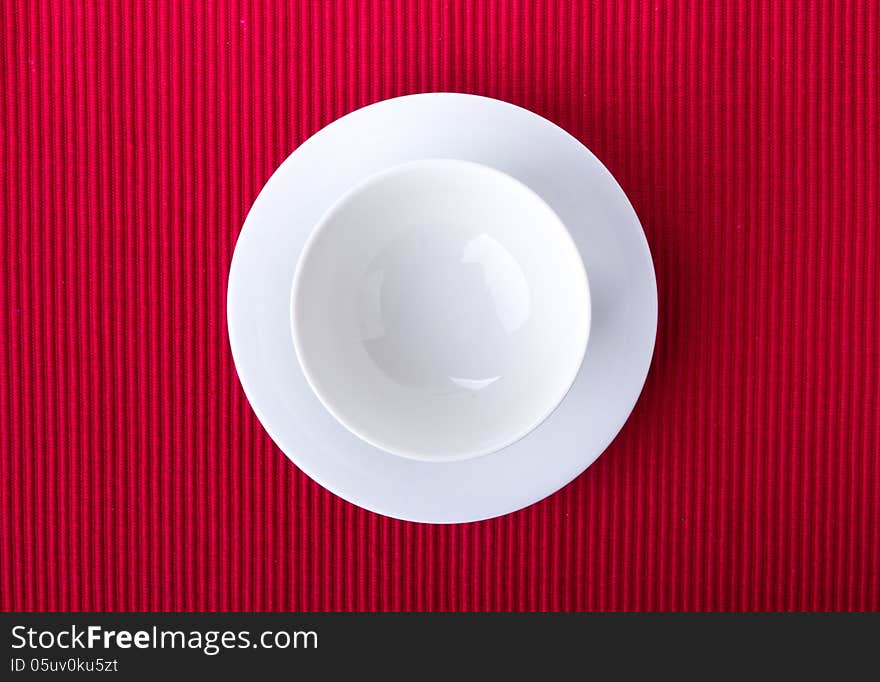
(608, 236)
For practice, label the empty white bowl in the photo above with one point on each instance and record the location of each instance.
(440, 310)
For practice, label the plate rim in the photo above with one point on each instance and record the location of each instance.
(234, 274)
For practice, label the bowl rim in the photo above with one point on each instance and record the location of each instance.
(296, 287)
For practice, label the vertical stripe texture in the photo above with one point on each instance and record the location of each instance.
(134, 136)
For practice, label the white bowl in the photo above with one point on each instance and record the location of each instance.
(440, 310)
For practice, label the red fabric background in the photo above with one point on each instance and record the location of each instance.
(135, 136)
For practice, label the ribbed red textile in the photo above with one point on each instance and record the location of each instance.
(135, 136)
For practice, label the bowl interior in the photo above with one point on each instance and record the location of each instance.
(440, 310)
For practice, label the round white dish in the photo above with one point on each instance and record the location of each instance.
(440, 310)
(569, 179)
